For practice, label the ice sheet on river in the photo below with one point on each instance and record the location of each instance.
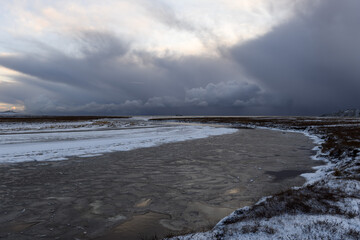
(44, 143)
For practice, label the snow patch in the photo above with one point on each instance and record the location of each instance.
(303, 212)
(46, 146)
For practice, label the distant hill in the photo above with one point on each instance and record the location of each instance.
(345, 113)
(9, 113)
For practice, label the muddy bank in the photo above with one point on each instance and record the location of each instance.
(177, 187)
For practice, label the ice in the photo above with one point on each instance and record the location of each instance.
(43, 146)
(333, 218)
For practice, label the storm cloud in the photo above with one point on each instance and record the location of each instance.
(306, 65)
(106, 78)
(310, 61)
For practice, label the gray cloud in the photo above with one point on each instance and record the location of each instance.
(307, 65)
(167, 16)
(106, 77)
(311, 60)
(231, 93)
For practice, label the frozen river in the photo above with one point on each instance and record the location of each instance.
(173, 187)
(44, 141)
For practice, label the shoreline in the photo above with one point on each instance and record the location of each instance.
(309, 177)
(99, 207)
(326, 206)
(318, 141)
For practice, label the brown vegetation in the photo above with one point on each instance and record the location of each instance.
(327, 196)
(341, 135)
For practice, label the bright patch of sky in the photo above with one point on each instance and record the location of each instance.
(182, 27)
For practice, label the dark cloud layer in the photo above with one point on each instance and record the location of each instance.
(305, 66)
(107, 78)
(311, 60)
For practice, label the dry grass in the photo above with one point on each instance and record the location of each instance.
(341, 146)
(341, 135)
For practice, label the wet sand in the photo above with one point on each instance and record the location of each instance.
(173, 188)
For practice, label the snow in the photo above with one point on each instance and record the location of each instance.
(35, 127)
(287, 226)
(334, 215)
(59, 145)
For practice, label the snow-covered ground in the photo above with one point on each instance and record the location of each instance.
(61, 126)
(60, 140)
(327, 206)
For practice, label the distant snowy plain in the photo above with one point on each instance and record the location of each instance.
(60, 140)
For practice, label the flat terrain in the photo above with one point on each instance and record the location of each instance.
(29, 119)
(172, 188)
(326, 207)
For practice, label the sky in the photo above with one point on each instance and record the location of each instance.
(189, 57)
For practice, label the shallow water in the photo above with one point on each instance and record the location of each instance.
(172, 188)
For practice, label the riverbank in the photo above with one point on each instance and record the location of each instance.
(326, 207)
(175, 185)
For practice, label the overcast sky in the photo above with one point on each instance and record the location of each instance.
(199, 57)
